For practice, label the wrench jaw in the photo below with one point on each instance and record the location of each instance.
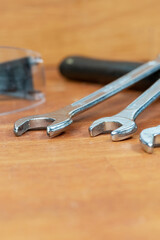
(120, 128)
(54, 126)
(147, 141)
(33, 122)
(58, 127)
(55, 122)
(101, 126)
(150, 138)
(127, 130)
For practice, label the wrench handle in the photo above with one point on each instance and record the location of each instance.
(144, 100)
(115, 87)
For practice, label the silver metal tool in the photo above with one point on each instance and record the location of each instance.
(122, 125)
(56, 122)
(150, 138)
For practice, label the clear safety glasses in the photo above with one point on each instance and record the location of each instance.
(22, 80)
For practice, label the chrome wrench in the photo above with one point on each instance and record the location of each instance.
(150, 138)
(56, 122)
(122, 125)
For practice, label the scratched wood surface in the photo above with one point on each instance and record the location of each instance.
(76, 187)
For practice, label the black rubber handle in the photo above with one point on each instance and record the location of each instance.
(101, 71)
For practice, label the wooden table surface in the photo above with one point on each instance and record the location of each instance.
(75, 187)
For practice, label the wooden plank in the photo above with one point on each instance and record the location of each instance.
(75, 186)
(105, 29)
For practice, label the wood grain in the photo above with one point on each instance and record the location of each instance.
(120, 29)
(75, 187)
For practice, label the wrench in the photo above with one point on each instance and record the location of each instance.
(56, 122)
(122, 125)
(150, 138)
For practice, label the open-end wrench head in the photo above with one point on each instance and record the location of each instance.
(55, 123)
(150, 138)
(120, 128)
(32, 122)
